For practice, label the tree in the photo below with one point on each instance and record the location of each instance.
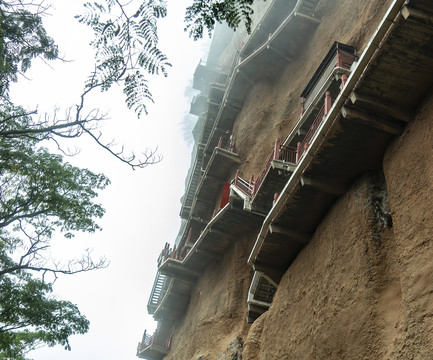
(126, 44)
(40, 195)
(203, 14)
(22, 38)
(31, 317)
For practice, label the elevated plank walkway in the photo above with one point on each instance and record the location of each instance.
(222, 230)
(222, 161)
(156, 346)
(395, 68)
(282, 46)
(175, 301)
(159, 288)
(260, 296)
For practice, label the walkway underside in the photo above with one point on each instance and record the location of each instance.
(153, 352)
(217, 171)
(381, 103)
(282, 46)
(273, 182)
(226, 227)
(175, 301)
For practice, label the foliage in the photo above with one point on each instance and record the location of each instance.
(203, 14)
(126, 43)
(30, 317)
(40, 194)
(22, 38)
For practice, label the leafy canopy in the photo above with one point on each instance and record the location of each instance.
(22, 38)
(126, 44)
(30, 316)
(204, 14)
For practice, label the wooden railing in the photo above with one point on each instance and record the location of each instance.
(155, 339)
(243, 185)
(227, 143)
(285, 153)
(324, 110)
(177, 253)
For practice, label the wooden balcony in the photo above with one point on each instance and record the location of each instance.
(193, 180)
(160, 286)
(175, 301)
(280, 47)
(325, 84)
(227, 223)
(271, 19)
(203, 76)
(261, 192)
(218, 168)
(198, 104)
(154, 347)
(260, 296)
(184, 267)
(395, 68)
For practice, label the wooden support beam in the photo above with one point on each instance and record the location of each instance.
(232, 105)
(204, 201)
(272, 274)
(392, 110)
(415, 14)
(293, 235)
(178, 271)
(213, 179)
(244, 75)
(281, 165)
(302, 132)
(208, 254)
(263, 28)
(280, 53)
(322, 185)
(308, 18)
(218, 232)
(371, 120)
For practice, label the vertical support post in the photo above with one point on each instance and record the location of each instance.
(298, 151)
(328, 102)
(276, 195)
(277, 149)
(188, 239)
(237, 177)
(252, 184)
(343, 81)
(143, 340)
(220, 142)
(339, 62)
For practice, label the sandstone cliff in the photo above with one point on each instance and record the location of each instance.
(362, 286)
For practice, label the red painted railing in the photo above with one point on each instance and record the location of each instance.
(155, 339)
(281, 152)
(243, 185)
(285, 153)
(174, 253)
(227, 144)
(303, 146)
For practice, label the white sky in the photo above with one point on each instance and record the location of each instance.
(142, 206)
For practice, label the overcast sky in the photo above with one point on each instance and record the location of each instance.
(142, 206)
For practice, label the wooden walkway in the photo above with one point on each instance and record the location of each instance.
(396, 68)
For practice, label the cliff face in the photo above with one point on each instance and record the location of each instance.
(216, 313)
(362, 287)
